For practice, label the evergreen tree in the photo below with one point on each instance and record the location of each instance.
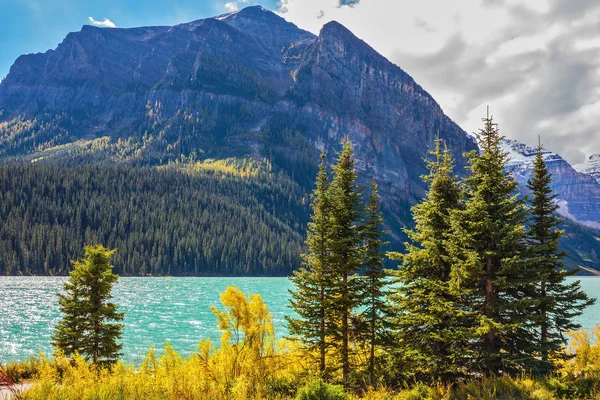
(490, 263)
(310, 297)
(90, 325)
(425, 309)
(558, 301)
(376, 311)
(345, 250)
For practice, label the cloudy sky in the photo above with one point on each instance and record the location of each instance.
(536, 63)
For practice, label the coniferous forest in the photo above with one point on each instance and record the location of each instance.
(228, 217)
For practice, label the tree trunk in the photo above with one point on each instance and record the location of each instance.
(544, 327)
(490, 337)
(372, 355)
(345, 317)
(322, 332)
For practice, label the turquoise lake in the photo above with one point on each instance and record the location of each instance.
(176, 310)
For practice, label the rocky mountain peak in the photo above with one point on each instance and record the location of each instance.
(243, 84)
(247, 83)
(339, 38)
(335, 28)
(267, 28)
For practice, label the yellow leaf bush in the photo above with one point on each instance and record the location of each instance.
(249, 364)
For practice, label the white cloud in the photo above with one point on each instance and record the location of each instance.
(107, 23)
(231, 6)
(535, 62)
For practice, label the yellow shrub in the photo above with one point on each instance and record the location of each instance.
(247, 364)
(585, 354)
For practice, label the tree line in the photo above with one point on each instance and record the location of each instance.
(480, 289)
(204, 218)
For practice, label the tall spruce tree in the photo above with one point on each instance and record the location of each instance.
(310, 297)
(558, 301)
(425, 314)
(91, 322)
(376, 312)
(345, 251)
(489, 260)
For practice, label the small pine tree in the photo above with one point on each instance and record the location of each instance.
(558, 302)
(90, 324)
(488, 251)
(309, 299)
(345, 251)
(376, 311)
(425, 311)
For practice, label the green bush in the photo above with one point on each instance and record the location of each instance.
(319, 390)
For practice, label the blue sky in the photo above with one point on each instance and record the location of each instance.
(33, 26)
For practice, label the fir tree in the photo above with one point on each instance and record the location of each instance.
(376, 311)
(345, 250)
(310, 297)
(558, 301)
(425, 311)
(90, 325)
(490, 263)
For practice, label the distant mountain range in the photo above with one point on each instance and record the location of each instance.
(248, 84)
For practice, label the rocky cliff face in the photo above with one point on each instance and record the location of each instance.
(390, 118)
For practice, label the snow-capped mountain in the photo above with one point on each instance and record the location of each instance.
(590, 167)
(578, 192)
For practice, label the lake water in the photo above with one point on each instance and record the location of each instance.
(176, 310)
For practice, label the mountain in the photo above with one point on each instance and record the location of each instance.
(248, 82)
(246, 85)
(590, 167)
(578, 195)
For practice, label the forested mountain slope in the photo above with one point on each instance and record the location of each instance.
(215, 218)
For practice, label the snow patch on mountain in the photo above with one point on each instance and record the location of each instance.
(227, 15)
(590, 167)
(563, 210)
(521, 162)
(523, 156)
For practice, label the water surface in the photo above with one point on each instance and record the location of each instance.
(176, 310)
